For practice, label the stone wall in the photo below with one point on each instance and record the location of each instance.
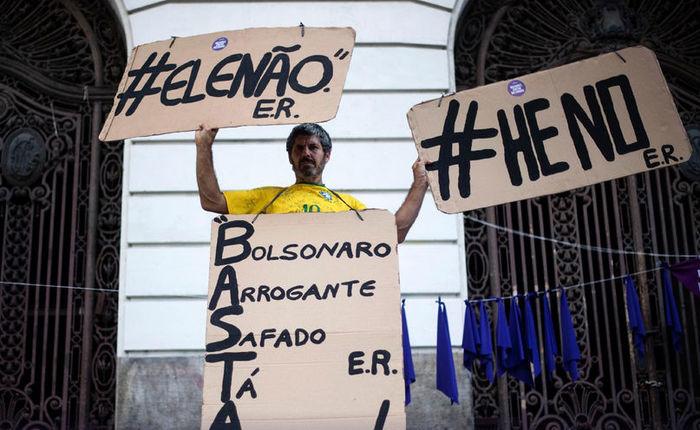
(166, 393)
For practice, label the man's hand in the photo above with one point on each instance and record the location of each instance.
(210, 195)
(408, 212)
(204, 136)
(420, 175)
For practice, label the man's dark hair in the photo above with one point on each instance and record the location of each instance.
(310, 129)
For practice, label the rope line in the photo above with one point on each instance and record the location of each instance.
(68, 287)
(570, 287)
(576, 245)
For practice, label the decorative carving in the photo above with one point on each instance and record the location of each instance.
(534, 35)
(52, 48)
(23, 157)
(691, 168)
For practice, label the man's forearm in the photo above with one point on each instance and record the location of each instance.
(408, 212)
(210, 195)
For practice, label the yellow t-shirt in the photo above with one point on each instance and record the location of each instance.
(296, 198)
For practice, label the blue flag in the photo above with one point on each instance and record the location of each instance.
(470, 336)
(446, 376)
(569, 348)
(486, 345)
(532, 350)
(673, 320)
(634, 316)
(503, 342)
(550, 340)
(517, 364)
(409, 374)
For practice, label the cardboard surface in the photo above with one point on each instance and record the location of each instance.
(550, 131)
(256, 76)
(283, 266)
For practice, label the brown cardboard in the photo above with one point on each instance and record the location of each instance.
(306, 76)
(308, 386)
(489, 181)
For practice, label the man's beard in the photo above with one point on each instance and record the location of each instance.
(308, 168)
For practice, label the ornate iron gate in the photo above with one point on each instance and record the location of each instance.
(657, 212)
(60, 207)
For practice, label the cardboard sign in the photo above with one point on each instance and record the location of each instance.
(304, 323)
(256, 76)
(550, 131)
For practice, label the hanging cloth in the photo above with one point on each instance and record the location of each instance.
(688, 274)
(470, 337)
(445, 366)
(570, 351)
(486, 345)
(634, 317)
(532, 351)
(518, 366)
(673, 320)
(550, 341)
(409, 374)
(503, 341)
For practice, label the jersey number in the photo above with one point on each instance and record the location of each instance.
(311, 208)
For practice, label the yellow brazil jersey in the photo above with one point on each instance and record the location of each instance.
(296, 198)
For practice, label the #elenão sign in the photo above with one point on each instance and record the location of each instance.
(304, 323)
(256, 76)
(550, 131)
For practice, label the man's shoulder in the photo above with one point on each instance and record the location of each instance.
(352, 201)
(258, 190)
(249, 201)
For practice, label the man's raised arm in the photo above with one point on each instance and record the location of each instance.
(210, 195)
(408, 212)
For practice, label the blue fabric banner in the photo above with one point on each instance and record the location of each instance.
(550, 341)
(409, 374)
(634, 317)
(517, 364)
(673, 320)
(470, 336)
(446, 376)
(569, 348)
(532, 350)
(486, 345)
(503, 342)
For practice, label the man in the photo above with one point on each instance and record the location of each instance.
(309, 149)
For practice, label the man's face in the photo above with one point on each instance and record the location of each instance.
(308, 158)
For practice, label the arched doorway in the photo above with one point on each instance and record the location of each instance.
(657, 211)
(60, 208)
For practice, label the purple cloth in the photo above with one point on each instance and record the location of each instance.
(673, 320)
(634, 316)
(532, 351)
(518, 366)
(486, 345)
(688, 274)
(445, 372)
(503, 342)
(470, 336)
(409, 374)
(569, 348)
(550, 341)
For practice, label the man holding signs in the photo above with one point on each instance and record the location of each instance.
(309, 149)
(303, 325)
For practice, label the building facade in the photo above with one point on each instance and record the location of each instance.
(105, 248)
